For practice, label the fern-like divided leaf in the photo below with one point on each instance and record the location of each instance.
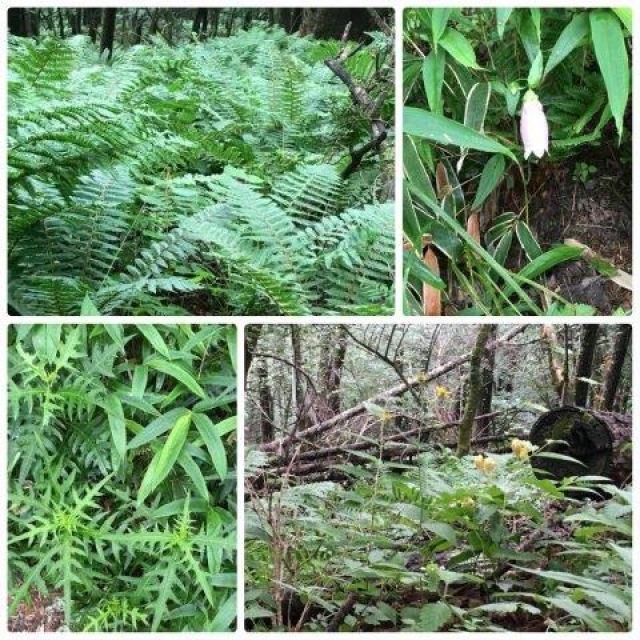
(195, 179)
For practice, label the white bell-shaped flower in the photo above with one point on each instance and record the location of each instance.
(534, 129)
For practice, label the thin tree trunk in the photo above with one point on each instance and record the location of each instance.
(549, 340)
(267, 427)
(333, 355)
(585, 363)
(614, 370)
(215, 23)
(230, 21)
(17, 22)
(487, 389)
(248, 17)
(474, 395)
(108, 31)
(153, 27)
(60, 23)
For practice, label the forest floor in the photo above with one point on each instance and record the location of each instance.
(596, 212)
(44, 613)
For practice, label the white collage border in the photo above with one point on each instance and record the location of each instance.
(242, 322)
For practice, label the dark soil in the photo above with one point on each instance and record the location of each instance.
(596, 213)
(44, 613)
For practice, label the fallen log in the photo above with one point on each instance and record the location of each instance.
(595, 438)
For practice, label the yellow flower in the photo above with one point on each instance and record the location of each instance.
(486, 465)
(467, 501)
(489, 465)
(521, 448)
(442, 392)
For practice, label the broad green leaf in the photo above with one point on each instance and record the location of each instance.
(46, 341)
(232, 344)
(115, 415)
(88, 308)
(213, 442)
(535, 72)
(528, 34)
(158, 427)
(570, 38)
(139, 382)
(432, 78)
(502, 250)
(193, 471)
(225, 615)
(625, 14)
(164, 460)
(460, 48)
(421, 123)
(611, 53)
(176, 371)
(433, 617)
(549, 259)
(502, 16)
(475, 108)
(491, 175)
(227, 425)
(154, 337)
(420, 270)
(528, 242)
(410, 224)
(439, 19)
(414, 168)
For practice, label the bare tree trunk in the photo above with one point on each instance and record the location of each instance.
(334, 352)
(299, 388)
(248, 18)
(585, 363)
(60, 23)
(251, 337)
(215, 23)
(267, 427)
(17, 22)
(108, 31)
(230, 22)
(474, 394)
(486, 401)
(550, 346)
(153, 27)
(614, 370)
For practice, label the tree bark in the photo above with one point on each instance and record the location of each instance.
(486, 400)
(334, 352)
(17, 22)
(585, 363)
(108, 31)
(596, 439)
(614, 370)
(474, 394)
(60, 23)
(215, 22)
(230, 22)
(265, 398)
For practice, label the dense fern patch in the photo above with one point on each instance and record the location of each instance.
(200, 179)
(122, 501)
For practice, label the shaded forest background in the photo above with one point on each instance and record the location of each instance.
(131, 26)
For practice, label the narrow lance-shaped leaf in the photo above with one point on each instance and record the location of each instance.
(421, 123)
(164, 460)
(176, 371)
(570, 38)
(611, 53)
(213, 442)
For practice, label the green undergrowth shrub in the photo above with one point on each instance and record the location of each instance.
(441, 545)
(121, 474)
(200, 179)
